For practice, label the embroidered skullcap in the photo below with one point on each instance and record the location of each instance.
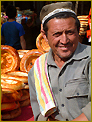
(55, 8)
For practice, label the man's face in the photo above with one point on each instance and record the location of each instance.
(62, 36)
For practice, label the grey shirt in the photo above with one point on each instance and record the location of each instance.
(71, 86)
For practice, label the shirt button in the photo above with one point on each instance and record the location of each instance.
(62, 105)
(77, 93)
(60, 90)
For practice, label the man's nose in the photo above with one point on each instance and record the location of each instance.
(64, 38)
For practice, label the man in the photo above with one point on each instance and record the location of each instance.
(12, 33)
(64, 72)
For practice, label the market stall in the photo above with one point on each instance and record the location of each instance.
(15, 104)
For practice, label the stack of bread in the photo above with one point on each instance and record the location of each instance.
(14, 87)
(14, 79)
(83, 24)
(22, 77)
(11, 95)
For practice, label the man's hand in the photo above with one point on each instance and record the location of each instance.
(51, 119)
(82, 117)
(2, 40)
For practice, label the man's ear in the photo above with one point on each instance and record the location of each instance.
(43, 33)
(41, 27)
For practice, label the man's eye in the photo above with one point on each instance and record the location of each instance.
(70, 32)
(57, 34)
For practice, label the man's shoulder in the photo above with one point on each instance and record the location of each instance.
(17, 23)
(19, 27)
(4, 24)
(87, 49)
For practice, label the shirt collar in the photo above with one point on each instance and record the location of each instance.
(82, 51)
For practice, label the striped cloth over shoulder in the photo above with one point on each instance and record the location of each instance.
(43, 87)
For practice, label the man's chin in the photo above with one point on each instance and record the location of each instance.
(65, 56)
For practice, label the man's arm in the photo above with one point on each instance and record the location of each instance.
(23, 42)
(86, 115)
(2, 40)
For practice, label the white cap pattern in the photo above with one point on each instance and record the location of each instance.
(56, 11)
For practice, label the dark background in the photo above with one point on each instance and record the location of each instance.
(83, 6)
(32, 32)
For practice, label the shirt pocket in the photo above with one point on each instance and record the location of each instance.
(77, 88)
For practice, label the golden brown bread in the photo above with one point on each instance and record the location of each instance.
(18, 75)
(12, 84)
(25, 95)
(22, 52)
(1, 94)
(26, 86)
(29, 58)
(24, 102)
(42, 44)
(8, 106)
(10, 95)
(83, 17)
(11, 114)
(10, 60)
(25, 99)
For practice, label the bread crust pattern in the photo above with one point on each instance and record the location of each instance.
(10, 60)
(42, 44)
(29, 58)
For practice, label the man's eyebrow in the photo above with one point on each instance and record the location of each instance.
(70, 30)
(55, 33)
(60, 32)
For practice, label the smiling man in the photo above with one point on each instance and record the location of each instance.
(60, 80)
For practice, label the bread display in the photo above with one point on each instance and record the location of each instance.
(10, 103)
(10, 60)
(29, 58)
(11, 95)
(83, 24)
(15, 65)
